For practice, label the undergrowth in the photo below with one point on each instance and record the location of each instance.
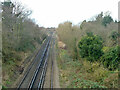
(84, 74)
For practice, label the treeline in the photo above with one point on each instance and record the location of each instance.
(95, 40)
(19, 33)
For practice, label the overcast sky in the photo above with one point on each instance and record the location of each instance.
(49, 13)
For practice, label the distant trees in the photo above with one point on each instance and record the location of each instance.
(104, 19)
(99, 17)
(107, 20)
(90, 47)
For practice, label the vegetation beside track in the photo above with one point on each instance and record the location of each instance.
(21, 37)
(84, 74)
(79, 65)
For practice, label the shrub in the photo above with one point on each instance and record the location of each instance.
(91, 47)
(100, 73)
(111, 58)
(9, 55)
(105, 49)
(38, 40)
(114, 36)
(26, 46)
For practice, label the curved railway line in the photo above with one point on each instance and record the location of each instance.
(35, 75)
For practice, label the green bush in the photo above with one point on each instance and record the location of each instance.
(111, 58)
(38, 40)
(114, 36)
(91, 47)
(4, 87)
(26, 46)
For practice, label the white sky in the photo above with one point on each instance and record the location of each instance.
(49, 13)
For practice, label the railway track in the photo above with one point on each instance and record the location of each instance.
(35, 75)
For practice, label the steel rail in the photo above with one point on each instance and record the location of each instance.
(44, 68)
(37, 69)
(27, 71)
(30, 68)
(42, 78)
